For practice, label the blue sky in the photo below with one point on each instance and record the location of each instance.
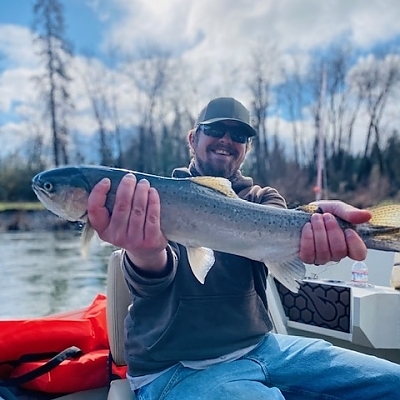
(209, 35)
(84, 27)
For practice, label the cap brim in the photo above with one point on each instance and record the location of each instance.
(249, 129)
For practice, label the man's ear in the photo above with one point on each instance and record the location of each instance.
(190, 137)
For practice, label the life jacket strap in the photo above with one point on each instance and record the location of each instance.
(68, 353)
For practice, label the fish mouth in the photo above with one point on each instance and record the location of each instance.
(40, 192)
(37, 185)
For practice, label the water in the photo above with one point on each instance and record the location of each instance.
(42, 273)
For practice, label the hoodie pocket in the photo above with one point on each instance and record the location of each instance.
(204, 328)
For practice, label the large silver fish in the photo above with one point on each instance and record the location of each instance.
(204, 214)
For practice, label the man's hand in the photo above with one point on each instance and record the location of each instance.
(134, 224)
(322, 239)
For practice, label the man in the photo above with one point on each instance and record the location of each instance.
(188, 341)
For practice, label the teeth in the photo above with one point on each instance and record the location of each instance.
(223, 152)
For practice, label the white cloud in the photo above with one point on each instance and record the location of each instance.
(16, 47)
(224, 27)
(16, 86)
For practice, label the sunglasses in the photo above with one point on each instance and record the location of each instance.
(218, 131)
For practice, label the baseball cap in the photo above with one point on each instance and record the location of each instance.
(226, 109)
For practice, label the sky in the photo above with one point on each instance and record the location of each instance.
(202, 31)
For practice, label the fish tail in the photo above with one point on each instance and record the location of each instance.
(382, 232)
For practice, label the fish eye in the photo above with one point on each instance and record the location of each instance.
(48, 186)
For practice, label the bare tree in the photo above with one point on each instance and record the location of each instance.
(292, 96)
(55, 52)
(260, 85)
(342, 109)
(115, 120)
(374, 81)
(97, 86)
(150, 76)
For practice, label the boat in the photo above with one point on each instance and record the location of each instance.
(336, 310)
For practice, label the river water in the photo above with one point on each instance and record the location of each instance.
(43, 272)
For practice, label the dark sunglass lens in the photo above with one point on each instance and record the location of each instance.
(213, 132)
(239, 137)
(237, 134)
(218, 132)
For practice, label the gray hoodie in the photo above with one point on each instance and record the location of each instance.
(175, 318)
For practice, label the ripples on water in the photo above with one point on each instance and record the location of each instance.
(42, 273)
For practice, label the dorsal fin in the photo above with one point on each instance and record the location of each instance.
(221, 185)
(309, 208)
(385, 215)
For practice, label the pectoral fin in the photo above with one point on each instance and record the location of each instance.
(201, 259)
(290, 273)
(87, 235)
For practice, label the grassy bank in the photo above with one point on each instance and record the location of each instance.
(21, 206)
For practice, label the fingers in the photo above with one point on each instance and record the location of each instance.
(97, 212)
(152, 227)
(321, 244)
(357, 250)
(134, 223)
(138, 215)
(307, 247)
(323, 240)
(345, 211)
(123, 207)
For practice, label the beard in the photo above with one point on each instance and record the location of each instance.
(212, 168)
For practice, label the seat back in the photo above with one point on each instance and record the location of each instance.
(118, 301)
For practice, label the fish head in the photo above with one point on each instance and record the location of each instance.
(64, 191)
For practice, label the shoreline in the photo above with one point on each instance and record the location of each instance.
(31, 220)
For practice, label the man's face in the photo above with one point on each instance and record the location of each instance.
(218, 156)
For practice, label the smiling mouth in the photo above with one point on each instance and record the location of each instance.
(222, 152)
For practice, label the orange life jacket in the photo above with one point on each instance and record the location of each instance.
(43, 337)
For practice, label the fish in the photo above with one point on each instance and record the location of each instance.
(204, 215)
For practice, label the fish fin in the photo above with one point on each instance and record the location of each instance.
(87, 235)
(387, 215)
(290, 272)
(201, 259)
(221, 185)
(382, 231)
(310, 208)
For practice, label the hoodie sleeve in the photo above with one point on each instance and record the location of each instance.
(267, 196)
(143, 285)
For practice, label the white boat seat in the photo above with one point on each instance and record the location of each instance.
(95, 394)
(120, 389)
(118, 301)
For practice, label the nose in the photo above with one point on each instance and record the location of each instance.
(227, 137)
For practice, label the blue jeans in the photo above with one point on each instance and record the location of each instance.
(283, 367)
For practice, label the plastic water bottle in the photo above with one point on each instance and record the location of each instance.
(359, 274)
